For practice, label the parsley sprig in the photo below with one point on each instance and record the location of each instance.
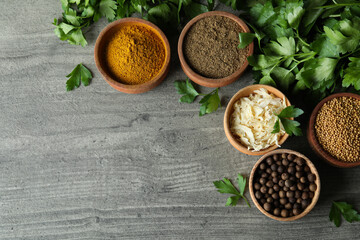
(79, 74)
(225, 186)
(344, 209)
(291, 126)
(209, 103)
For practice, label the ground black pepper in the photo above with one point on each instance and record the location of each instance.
(210, 47)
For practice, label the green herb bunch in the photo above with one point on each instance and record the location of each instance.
(311, 45)
(79, 14)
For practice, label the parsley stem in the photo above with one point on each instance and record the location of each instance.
(246, 200)
(337, 5)
(301, 40)
(345, 56)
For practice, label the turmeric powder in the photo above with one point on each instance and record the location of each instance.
(134, 54)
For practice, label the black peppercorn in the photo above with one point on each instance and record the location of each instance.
(289, 183)
(291, 170)
(262, 181)
(273, 167)
(258, 194)
(290, 157)
(276, 212)
(304, 203)
(284, 176)
(263, 189)
(281, 183)
(269, 184)
(275, 196)
(283, 201)
(290, 194)
(304, 195)
(262, 166)
(288, 206)
(311, 177)
(285, 162)
(267, 206)
(282, 194)
(284, 213)
(312, 187)
(269, 161)
(296, 211)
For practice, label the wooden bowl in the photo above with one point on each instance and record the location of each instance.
(313, 170)
(245, 92)
(212, 82)
(312, 139)
(103, 40)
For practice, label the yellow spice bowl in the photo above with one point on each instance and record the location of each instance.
(104, 38)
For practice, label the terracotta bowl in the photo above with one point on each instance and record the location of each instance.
(245, 92)
(313, 170)
(312, 139)
(211, 82)
(103, 40)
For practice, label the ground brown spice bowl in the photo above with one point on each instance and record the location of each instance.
(211, 81)
(312, 138)
(99, 55)
(245, 92)
(306, 186)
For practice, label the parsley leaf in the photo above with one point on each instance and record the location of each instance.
(225, 186)
(80, 73)
(210, 102)
(344, 209)
(323, 46)
(283, 47)
(290, 112)
(245, 39)
(352, 74)
(276, 126)
(107, 8)
(186, 89)
(291, 126)
(294, 12)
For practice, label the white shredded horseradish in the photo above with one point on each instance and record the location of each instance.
(254, 117)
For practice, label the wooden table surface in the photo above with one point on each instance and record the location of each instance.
(95, 163)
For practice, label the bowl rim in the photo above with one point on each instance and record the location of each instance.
(138, 88)
(229, 110)
(313, 170)
(205, 81)
(313, 141)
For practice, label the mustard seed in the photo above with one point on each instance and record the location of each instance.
(337, 128)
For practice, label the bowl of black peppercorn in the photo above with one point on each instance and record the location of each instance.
(284, 185)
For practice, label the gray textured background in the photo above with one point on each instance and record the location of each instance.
(95, 163)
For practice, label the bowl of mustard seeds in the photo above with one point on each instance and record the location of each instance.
(208, 49)
(334, 130)
(132, 55)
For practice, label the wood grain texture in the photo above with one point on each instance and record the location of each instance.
(99, 164)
